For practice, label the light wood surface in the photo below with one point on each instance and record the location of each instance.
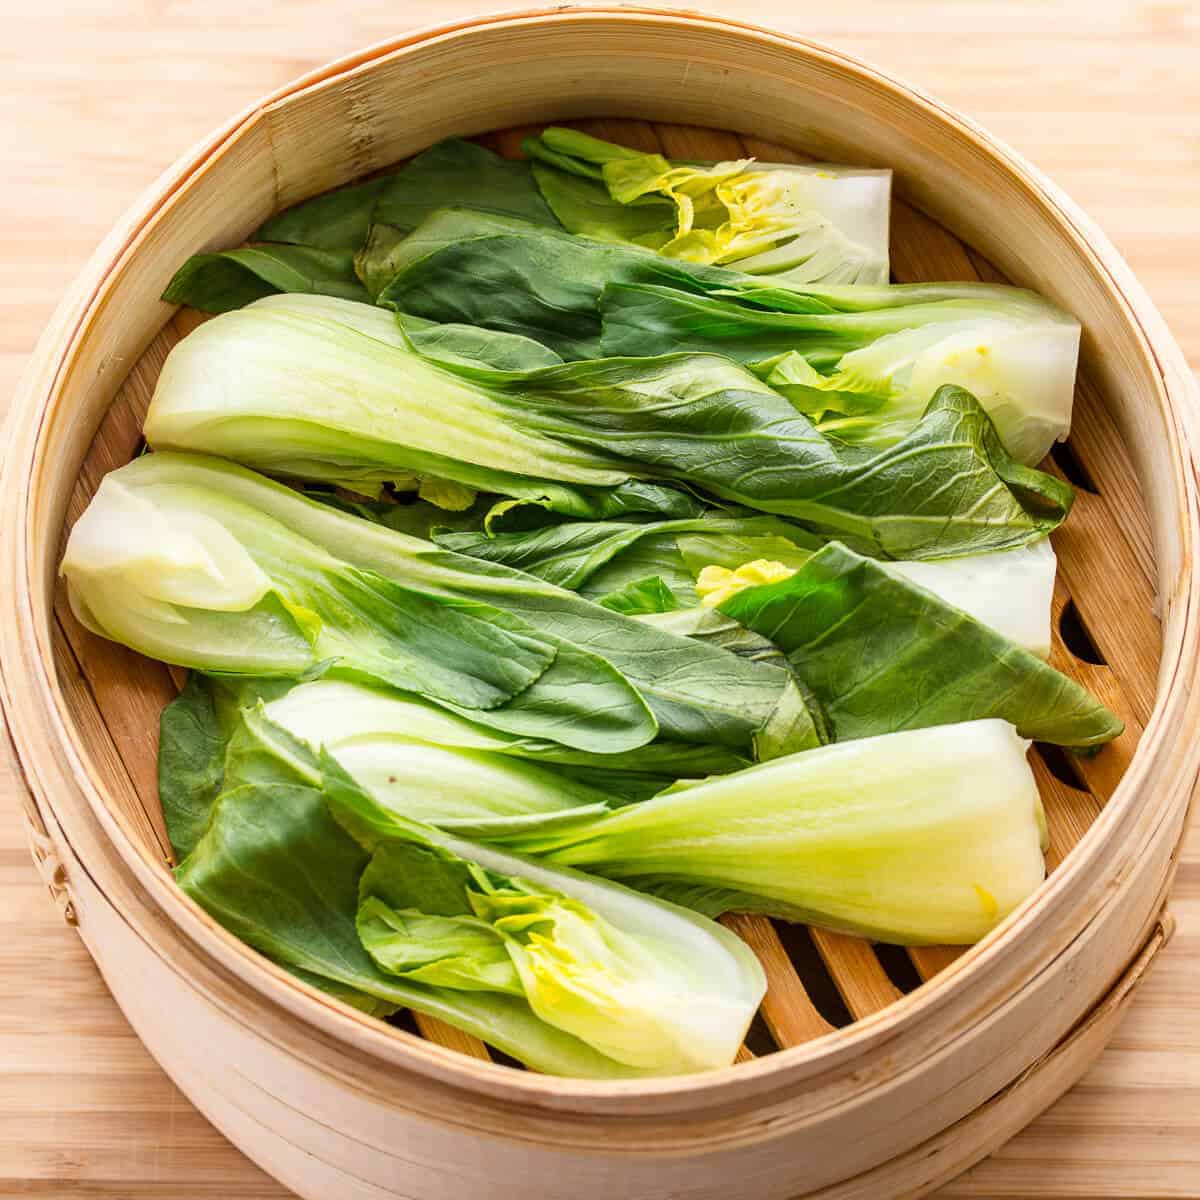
(95, 103)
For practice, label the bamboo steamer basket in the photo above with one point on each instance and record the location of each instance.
(861, 1083)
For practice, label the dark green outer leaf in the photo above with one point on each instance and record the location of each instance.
(646, 319)
(191, 762)
(571, 553)
(458, 172)
(476, 347)
(449, 173)
(659, 556)
(194, 734)
(882, 654)
(514, 285)
(585, 207)
(336, 220)
(216, 283)
(312, 246)
(641, 596)
(458, 651)
(941, 491)
(279, 872)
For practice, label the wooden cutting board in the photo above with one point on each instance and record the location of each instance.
(96, 99)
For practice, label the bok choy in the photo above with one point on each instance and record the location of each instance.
(879, 646)
(572, 975)
(1009, 590)
(813, 223)
(314, 246)
(412, 756)
(880, 652)
(206, 564)
(924, 836)
(327, 389)
(864, 360)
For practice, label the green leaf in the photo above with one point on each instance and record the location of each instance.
(882, 653)
(475, 347)
(584, 206)
(359, 413)
(191, 762)
(319, 612)
(445, 174)
(337, 220)
(195, 732)
(278, 871)
(798, 721)
(570, 554)
(312, 247)
(649, 556)
(217, 283)
(649, 595)
(650, 985)
(454, 172)
(948, 488)
(505, 274)
(450, 952)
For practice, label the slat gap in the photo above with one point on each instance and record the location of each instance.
(858, 974)
(787, 1009)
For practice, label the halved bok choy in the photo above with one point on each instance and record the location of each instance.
(1009, 590)
(809, 223)
(919, 837)
(572, 975)
(412, 756)
(863, 361)
(325, 389)
(205, 564)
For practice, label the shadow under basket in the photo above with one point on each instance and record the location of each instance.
(871, 1071)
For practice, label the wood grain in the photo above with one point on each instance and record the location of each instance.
(95, 101)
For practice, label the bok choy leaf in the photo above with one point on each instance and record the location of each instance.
(1010, 590)
(569, 974)
(866, 374)
(326, 389)
(208, 565)
(312, 246)
(864, 360)
(857, 632)
(881, 652)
